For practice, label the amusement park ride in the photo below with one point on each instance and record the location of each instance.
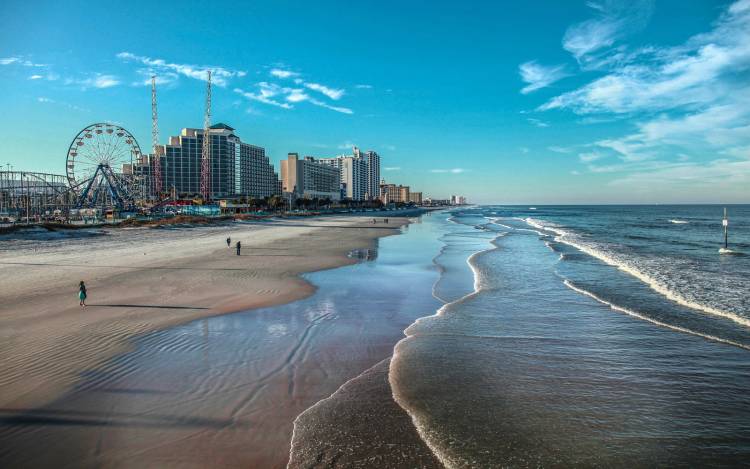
(100, 166)
(104, 169)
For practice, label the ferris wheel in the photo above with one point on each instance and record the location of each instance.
(102, 164)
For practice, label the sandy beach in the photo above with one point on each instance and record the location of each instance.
(142, 280)
(141, 390)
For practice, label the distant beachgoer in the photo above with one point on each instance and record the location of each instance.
(239, 246)
(229, 242)
(82, 294)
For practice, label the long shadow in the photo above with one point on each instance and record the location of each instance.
(148, 306)
(52, 417)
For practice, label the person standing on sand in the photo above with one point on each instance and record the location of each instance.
(239, 246)
(82, 294)
(229, 241)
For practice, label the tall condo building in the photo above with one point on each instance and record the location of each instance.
(352, 175)
(372, 159)
(310, 178)
(237, 168)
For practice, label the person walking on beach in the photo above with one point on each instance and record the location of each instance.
(229, 241)
(82, 294)
(239, 246)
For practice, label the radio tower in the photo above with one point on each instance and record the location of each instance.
(206, 153)
(155, 140)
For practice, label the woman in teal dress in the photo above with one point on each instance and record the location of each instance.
(82, 293)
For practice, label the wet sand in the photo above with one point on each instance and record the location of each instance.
(224, 391)
(141, 280)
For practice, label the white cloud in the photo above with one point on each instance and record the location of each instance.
(35, 77)
(264, 96)
(537, 122)
(363, 87)
(614, 19)
(720, 178)
(280, 73)
(696, 73)
(559, 149)
(589, 157)
(99, 80)
(343, 110)
(539, 76)
(332, 93)
(451, 171)
(392, 168)
(162, 78)
(45, 100)
(20, 61)
(219, 75)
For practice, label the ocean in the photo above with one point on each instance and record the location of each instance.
(592, 336)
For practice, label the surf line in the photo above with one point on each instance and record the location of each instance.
(653, 284)
(630, 312)
(444, 459)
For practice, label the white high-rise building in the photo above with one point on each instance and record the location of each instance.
(352, 173)
(372, 160)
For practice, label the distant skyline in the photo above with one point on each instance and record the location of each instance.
(600, 101)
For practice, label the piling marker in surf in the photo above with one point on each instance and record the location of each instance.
(725, 223)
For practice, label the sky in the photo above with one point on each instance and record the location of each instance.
(543, 102)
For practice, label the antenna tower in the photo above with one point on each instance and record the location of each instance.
(206, 153)
(155, 139)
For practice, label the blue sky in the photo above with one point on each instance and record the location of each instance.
(507, 102)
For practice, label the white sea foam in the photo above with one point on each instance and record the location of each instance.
(421, 427)
(629, 268)
(679, 222)
(635, 314)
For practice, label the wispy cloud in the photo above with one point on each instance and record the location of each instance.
(20, 61)
(35, 77)
(332, 93)
(392, 168)
(46, 100)
(589, 157)
(693, 97)
(559, 149)
(363, 87)
(669, 77)
(537, 122)
(284, 97)
(451, 171)
(280, 73)
(613, 20)
(539, 76)
(98, 80)
(219, 75)
(265, 94)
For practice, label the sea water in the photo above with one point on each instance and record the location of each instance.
(595, 336)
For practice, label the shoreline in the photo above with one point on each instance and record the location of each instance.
(46, 348)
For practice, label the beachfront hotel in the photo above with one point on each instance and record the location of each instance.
(237, 168)
(309, 178)
(392, 193)
(357, 173)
